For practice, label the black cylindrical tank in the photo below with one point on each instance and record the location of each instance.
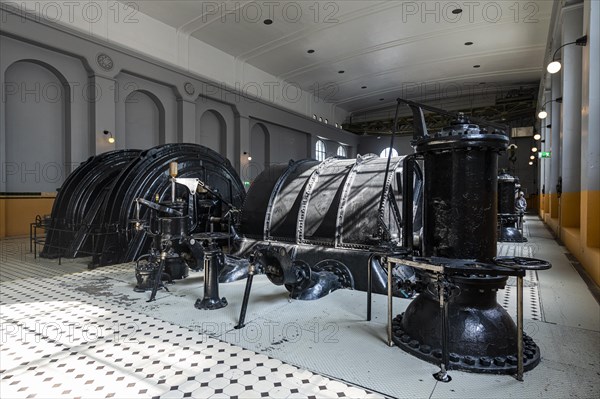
(509, 222)
(506, 193)
(461, 165)
(460, 211)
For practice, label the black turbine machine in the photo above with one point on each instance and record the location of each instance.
(316, 227)
(174, 249)
(510, 220)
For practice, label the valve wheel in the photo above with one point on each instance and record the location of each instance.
(522, 263)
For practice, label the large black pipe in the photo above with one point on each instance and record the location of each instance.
(506, 193)
(460, 193)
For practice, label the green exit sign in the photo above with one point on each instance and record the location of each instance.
(544, 154)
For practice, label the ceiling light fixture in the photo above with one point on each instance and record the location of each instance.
(363, 87)
(555, 66)
(468, 43)
(310, 51)
(477, 66)
(341, 71)
(268, 21)
(457, 11)
(381, 99)
(543, 114)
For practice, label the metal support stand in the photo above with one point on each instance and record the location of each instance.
(442, 375)
(520, 224)
(158, 278)
(251, 271)
(211, 300)
(369, 289)
(520, 328)
(390, 305)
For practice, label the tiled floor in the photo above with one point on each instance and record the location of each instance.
(69, 332)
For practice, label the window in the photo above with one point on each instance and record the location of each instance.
(320, 151)
(341, 151)
(386, 152)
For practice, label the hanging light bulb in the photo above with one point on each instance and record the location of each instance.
(537, 136)
(532, 157)
(111, 138)
(542, 114)
(554, 67)
(534, 149)
(530, 162)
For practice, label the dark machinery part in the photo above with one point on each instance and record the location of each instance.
(69, 232)
(213, 259)
(170, 224)
(332, 210)
(147, 177)
(169, 255)
(92, 210)
(460, 216)
(303, 282)
(510, 221)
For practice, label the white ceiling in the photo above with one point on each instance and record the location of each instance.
(395, 48)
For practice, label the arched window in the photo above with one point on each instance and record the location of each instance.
(320, 151)
(341, 151)
(386, 152)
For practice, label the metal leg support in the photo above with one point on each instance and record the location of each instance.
(390, 305)
(442, 375)
(158, 277)
(241, 322)
(369, 289)
(520, 328)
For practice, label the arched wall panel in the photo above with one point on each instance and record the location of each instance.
(128, 109)
(211, 131)
(259, 151)
(37, 126)
(143, 119)
(76, 143)
(227, 115)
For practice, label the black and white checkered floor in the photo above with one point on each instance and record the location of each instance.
(68, 332)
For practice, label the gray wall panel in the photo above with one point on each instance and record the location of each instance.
(98, 103)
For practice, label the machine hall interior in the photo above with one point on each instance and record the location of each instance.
(299, 199)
